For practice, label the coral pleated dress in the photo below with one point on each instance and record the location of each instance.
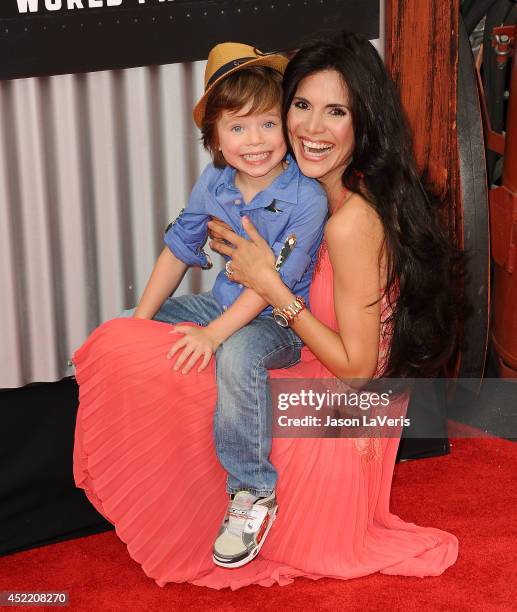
(144, 455)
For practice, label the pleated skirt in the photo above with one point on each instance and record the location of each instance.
(144, 455)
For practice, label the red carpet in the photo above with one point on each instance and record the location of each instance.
(472, 493)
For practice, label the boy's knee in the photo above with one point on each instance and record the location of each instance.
(235, 358)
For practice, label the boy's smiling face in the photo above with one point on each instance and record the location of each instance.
(253, 144)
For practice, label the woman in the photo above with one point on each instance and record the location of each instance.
(144, 449)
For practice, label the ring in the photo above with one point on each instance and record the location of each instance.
(228, 268)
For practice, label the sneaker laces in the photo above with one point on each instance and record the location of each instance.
(240, 510)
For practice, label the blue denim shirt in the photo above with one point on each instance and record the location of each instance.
(292, 204)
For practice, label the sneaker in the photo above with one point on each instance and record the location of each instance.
(244, 529)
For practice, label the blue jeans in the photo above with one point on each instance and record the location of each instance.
(242, 421)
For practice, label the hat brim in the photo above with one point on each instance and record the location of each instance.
(276, 62)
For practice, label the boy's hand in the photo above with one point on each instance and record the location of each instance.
(213, 231)
(196, 343)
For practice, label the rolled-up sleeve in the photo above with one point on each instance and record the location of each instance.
(187, 234)
(308, 229)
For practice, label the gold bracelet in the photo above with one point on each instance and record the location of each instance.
(285, 316)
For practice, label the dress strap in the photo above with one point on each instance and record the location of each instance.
(343, 197)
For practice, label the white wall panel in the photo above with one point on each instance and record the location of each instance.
(10, 341)
(73, 257)
(36, 216)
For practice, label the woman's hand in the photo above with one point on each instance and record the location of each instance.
(253, 261)
(196, 343)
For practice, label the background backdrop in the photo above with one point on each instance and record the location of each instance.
(94, 165)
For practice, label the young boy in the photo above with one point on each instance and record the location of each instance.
(239, 115)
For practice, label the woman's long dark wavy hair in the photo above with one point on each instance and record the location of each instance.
(383, 170)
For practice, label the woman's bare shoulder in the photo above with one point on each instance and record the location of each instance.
(355, 221)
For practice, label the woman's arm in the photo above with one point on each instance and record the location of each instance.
(354, 238)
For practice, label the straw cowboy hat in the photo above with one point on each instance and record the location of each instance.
(228, 57)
